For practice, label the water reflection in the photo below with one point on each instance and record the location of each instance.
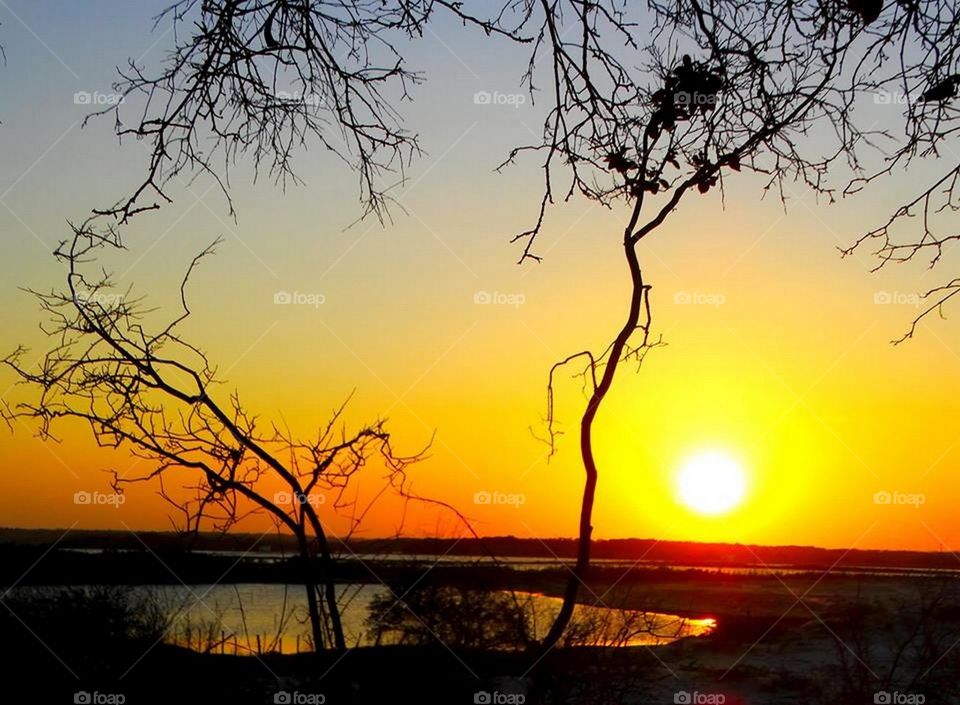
(257, 618)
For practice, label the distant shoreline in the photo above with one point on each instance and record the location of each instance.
(649, 551)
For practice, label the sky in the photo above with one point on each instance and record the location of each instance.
(777, 349)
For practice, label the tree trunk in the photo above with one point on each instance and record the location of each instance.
(329, 586)
(313, 608)
(580, 570)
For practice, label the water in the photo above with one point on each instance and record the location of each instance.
(540, 563)
(229, 618)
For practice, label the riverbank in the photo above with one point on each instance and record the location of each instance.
(820, 640)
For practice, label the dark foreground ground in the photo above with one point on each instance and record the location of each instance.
(808, 639)
(820, 636)
(430, 674)
(797, 668)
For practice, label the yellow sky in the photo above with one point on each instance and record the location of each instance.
(781, 359)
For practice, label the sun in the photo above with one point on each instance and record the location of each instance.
(711, 483)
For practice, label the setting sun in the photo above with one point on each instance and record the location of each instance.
(711, 483)
(594, 351)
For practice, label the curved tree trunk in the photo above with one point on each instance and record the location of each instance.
(579, 574)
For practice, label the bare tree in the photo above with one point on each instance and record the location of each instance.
(914, 61)
(260, 78)
(263, 78)
(148, 389)
(899, 643)
(726, 87)
(721, 87)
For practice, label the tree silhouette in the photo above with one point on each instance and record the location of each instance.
(148, 389)
(727, 87)
(917, 65)
(260, 78)
(265, 78)
(723, 87)
(644, 109)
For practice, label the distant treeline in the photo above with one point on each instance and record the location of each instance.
(650, 550)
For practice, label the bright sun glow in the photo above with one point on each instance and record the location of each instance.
(711, 483)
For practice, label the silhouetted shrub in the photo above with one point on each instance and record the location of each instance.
(456, 617)
(93, 631)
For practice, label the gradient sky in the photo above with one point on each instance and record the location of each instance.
(784, 363)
